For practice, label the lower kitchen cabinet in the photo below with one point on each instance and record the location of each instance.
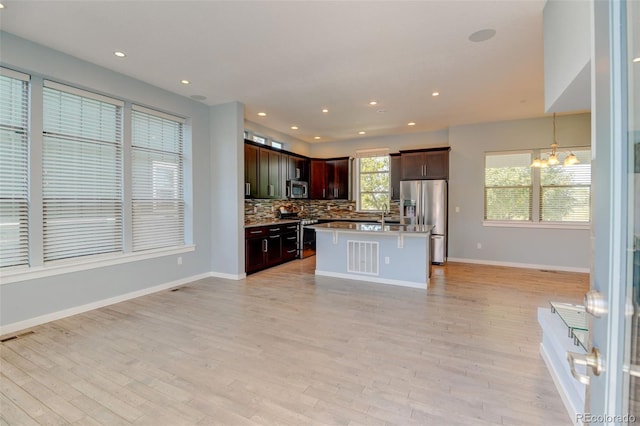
(270, 245)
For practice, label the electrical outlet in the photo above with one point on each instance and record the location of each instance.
(328, 207)
(479, 246)
(387, 260)
(179, 260)
(255, 209)
(350, 207)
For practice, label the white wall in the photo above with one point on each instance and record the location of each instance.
(566, 249)
(30, 301)
(567, 55)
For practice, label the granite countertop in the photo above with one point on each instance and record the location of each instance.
(388, 219)
(271, 222)
(372, 227)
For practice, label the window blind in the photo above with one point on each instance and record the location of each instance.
(508, 186)
(14, 206)
(82, 173)
(565, 191)
(157, 170)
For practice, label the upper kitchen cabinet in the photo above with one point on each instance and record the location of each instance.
(396, 170)
(297, 168)
(269, 181)
(263, 172)
(425, 164)
(330, 179)
(251, 173)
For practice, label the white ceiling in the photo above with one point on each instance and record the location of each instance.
(291, 59)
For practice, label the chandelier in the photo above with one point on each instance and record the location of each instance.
(552, 158)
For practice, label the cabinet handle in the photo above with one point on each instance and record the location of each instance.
(292, 251)
(247, 188)
(297, 173)
(274, 236)
(274, 229)
(265, 245)
(256, 232)
(292, 238)
(271, 190)
(323, 193)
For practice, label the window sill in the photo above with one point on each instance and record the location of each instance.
(537, 225)
(66, 266)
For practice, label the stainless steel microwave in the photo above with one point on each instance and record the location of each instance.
(297, 189)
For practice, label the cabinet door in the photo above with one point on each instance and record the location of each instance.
(338, 179)
(437, 164)
(254, 254)
(251, 165)
(275, 188)
(412, 165)
(274, 249)
(269, 182)
(318, 180)
(395, 176)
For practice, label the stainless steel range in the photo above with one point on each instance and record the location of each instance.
(306, 238)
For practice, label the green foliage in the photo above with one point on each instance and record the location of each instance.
(374, 183)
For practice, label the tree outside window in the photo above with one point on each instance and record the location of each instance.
(374, 182)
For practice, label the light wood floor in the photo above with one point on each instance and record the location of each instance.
(286, 347)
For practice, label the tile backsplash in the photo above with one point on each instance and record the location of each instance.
(261, 210)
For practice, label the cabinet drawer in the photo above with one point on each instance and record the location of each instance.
(257, 231)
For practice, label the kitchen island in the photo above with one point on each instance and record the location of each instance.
(374, 252)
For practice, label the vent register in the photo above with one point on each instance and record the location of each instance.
(363, 257)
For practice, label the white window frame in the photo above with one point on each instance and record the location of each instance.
(368, 153)
(37, 268)
(17, 189)
(535, 221)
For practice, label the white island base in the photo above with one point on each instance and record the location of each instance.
(393, 254)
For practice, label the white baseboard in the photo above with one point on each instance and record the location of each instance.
(32, 322)
(228, 276)
(520, 265)
(411, 284)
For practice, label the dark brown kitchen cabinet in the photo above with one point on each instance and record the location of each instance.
(425, 164)
(395, 171)
(251, 173)
(270, 245)
(330, 179)
(269, 179)
(297, 168)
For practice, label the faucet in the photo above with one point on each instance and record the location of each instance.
(385, 210)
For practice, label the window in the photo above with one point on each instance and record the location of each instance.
(277, 145)
(373, 168)
(516, 192)
(508, 186)
(14, 207)
(565, 192)
(157, 187)
(81, 173)
(259, 139)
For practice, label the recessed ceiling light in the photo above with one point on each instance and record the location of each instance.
(262, 114)
(1, 6)
(411, 124)
(325, 110)
(119, 54)
(482, 35)
(185, 81)
(373, 103)
(434, 94)
(294, 127)
(362, 133)
(636, 59)
(316, 137)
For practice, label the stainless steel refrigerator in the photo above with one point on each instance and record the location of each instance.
(424, 202)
